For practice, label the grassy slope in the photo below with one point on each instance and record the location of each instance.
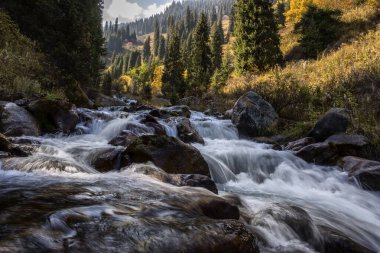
(346, 75)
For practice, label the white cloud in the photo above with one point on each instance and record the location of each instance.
(127, 11)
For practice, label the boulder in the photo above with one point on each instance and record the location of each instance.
(102, 100)
(335, 121)
(173, 111)
(299, 144)
(187, 133)
(367, 172)
(253, 116)
(192, 180)
(109, 160)
(335, 147)
(54, 115)
(8, 149)
(228, 114)
(218, 209)
(150, 121)
(266, 140)
(124, 139)
(4, 143)
(352, 145)
(334, 242)
(291, 217)
(16, 121)
(168, 153)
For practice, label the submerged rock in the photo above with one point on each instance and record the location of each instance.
(253, 116)
(168, 153)
(335, 121)
(193, 180)
(16, 121)
(109, 160)
(367, 172)
(54, 115)
(337, 243)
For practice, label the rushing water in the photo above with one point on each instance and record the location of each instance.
(59, 182)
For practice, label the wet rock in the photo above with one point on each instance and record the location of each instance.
(253, 116)
(102, 100)
(194, 180)
(228, 114)
(190, 101)
(187, 133)
(296, 221)
(299, 144)
(124, 139)
(352, 145)
(337, 243)
(176, 111)
(335, 147)
(218, 209)
(168, 153)
(367, 172)
(4, 143)
(16, 121)
(150, 121)
(109, 160)
(270, 141)
(335, 121)
(54, 115)
(319, 153)
(177, 179)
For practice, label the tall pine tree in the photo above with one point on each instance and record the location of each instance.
(156, 39)
(146, 50)
(217, 39)
(173, 84)
(200, 56)
(257, 44)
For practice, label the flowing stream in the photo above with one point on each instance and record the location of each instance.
(42, 195)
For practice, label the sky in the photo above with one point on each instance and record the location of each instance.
(129, 10)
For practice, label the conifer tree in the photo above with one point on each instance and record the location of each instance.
(257, 44)
(200, 56)
(173, 84)
(162, 48)
(146, 50)
(156, 42)
(217, 39)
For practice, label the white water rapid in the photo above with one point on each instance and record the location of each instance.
(276, 188)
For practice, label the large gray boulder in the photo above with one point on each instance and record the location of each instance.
(168, 153)
(54, 115)
(253, 116)
(335, 121)
(16, 121)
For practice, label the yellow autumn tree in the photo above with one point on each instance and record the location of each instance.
(335, 4)
(125, 83)
(296, 10)
(157, 81)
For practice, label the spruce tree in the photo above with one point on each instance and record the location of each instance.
(173, 84)
(200, 56)
(146, 50)
(257, 44)
(217, 39)
(162, 48)
(156, 41)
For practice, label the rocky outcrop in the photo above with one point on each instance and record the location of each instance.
(335, 121)
(168, 153)
(54, 115)
(253, 116)
(187, 133)
(335, 147)
(16, 121)
(367, 172)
